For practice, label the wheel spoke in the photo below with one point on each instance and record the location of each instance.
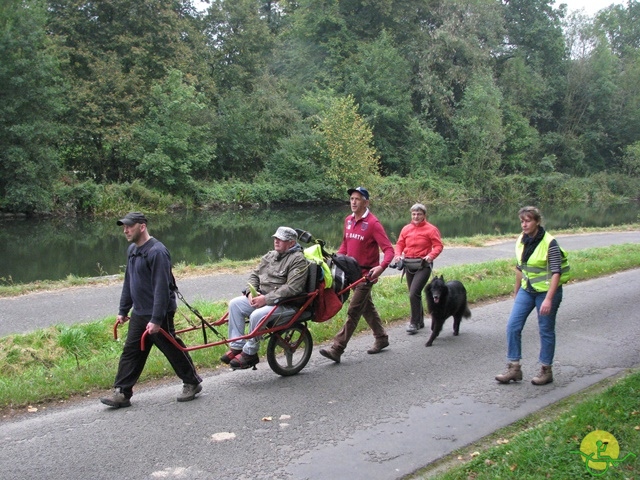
(289, 351)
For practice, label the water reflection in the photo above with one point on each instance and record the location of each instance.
(39, 249)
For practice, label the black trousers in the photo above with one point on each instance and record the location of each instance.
(417, 282)
(133, 360)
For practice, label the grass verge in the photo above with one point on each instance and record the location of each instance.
(9, 289)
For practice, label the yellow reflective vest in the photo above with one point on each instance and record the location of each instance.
(536, 271)
(314, 254)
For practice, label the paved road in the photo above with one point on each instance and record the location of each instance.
(83, 304)
(370, 417)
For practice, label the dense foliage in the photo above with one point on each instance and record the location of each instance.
(253, 101)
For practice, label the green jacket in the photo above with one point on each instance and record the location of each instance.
(280, 276)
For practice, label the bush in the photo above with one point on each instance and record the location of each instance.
(77, 197)
(426, 189)
(125, 197)
(631, 160)
(234, 192)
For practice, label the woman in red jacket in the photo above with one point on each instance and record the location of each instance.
(418, 246)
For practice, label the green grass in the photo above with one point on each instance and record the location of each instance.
(10, 289)
(482, 240)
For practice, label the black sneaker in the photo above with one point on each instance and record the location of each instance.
(117, 399)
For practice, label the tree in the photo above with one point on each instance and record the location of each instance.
(249, 126)
(296, 168)
(527, 90)
(522, 145)
(602, 98)
(590, 96)
(241, 39)
(618, 31)
(457, 39)
(313, 51)
(621, 28)
(30, 108)
(173, 147)
(116, 50)
(535, 39)
(534, 27)
(379, 80)
(347, 154)
(479, 132)
(631, 160)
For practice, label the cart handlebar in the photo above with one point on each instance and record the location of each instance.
(116, 325)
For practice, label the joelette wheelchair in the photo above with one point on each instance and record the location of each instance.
(289, 341)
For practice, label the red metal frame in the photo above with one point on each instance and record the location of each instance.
(260, 329)
(116, 325)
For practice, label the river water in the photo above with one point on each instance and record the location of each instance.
(54, 248)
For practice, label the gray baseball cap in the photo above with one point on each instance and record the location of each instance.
(285, 234)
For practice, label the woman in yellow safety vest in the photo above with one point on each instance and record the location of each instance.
(541, 269)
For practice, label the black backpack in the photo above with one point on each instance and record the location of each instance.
(345, 271)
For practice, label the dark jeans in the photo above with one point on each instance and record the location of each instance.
(416, 282)
(360, 305)
(133, 359)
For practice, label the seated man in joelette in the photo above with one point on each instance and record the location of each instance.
(281, 274)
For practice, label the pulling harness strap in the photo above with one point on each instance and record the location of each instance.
(195, 311)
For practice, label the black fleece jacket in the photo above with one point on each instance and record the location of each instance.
(147, 282)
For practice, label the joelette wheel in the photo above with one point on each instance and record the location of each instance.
(289, 351)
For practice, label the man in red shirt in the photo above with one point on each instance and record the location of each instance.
(363, 238)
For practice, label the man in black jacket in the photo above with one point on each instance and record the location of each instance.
(148, 288)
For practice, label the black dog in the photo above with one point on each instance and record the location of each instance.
(443, 301)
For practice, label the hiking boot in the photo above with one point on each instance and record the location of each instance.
(230, 355)
(378, 345)
(412, 329)
(545, 376)
(117, 399)
(189, 392)
(243, 361)
(513, 373)
(331, 354)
